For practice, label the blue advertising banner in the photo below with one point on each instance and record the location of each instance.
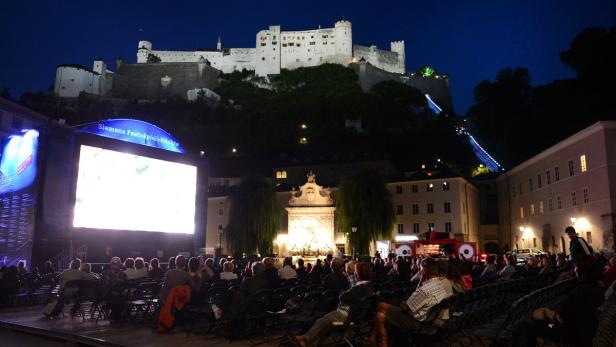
(18, 170)
(134, 131)
(18, 161)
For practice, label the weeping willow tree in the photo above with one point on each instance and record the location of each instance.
(254, 217)
(364, 202)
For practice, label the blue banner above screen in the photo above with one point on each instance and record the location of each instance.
(18, 161)
(135, 131)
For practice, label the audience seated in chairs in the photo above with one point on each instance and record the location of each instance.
(271, 273)
(130, 271)
(287, 272)
(574, 323)
(350, 273)
(47, 268)
(88, 274)
(336, 281)
(72, 274)
(227, 271)
(347, 299)
(176, 277)
(432, 289)
(21, 268)
(507, 272)
(155, 272)
(248, 289)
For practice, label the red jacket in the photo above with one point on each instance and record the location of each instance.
(178, 297)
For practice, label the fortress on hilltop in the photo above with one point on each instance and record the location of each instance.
(276, 49)
(159, 74)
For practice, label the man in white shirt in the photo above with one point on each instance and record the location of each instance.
(409, 316)
(227, 271)
(287, 271)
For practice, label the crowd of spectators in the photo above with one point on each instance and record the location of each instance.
(436, 278)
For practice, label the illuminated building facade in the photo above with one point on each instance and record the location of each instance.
(570, 183)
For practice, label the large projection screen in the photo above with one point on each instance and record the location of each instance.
(123, 191)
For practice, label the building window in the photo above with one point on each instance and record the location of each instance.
(541, 207)
(559, 202)
(585, 196)
(415, 208)
(530, 184)
(445, 185)
(521, 212)
(588, 237)
(430, 207)
(447, 207)
(538, 181)
(556, 174)
(520, 188)
(447, 227)
(414, 188)
(532, 209)
(400, 228)
(573, 199)
(220, 211)
(430, 226)
(548, 177)
(398, 189)
(583, 163)
(416, 228)
(429, 187)
(550, 205)
(281, 174)
(399, 209)
(571, 168)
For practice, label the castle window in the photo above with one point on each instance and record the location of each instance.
(298, 44)
(324, 42)
(263, 58)
(291, 44)
(262, 44)
(274, 42)
(324, 36)
(312, 36)
(284, 45)
(312, 43)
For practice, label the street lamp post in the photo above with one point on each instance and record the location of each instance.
(354, 230)
(220, 231)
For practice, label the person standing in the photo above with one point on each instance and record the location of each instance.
(577, 245)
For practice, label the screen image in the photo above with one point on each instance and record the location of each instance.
(122, 191)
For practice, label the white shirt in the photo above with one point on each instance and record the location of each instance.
(428, 295)
(228, 276)
(132, 273)
(287, 272)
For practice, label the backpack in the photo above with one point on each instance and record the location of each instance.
(53, 308)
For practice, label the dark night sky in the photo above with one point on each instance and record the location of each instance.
(469, 40)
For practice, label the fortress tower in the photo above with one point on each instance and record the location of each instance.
(398, 47)
(143, 50)
(344, 40)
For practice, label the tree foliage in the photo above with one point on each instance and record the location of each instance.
(517, 120)
(254, 217)
(363, 201)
